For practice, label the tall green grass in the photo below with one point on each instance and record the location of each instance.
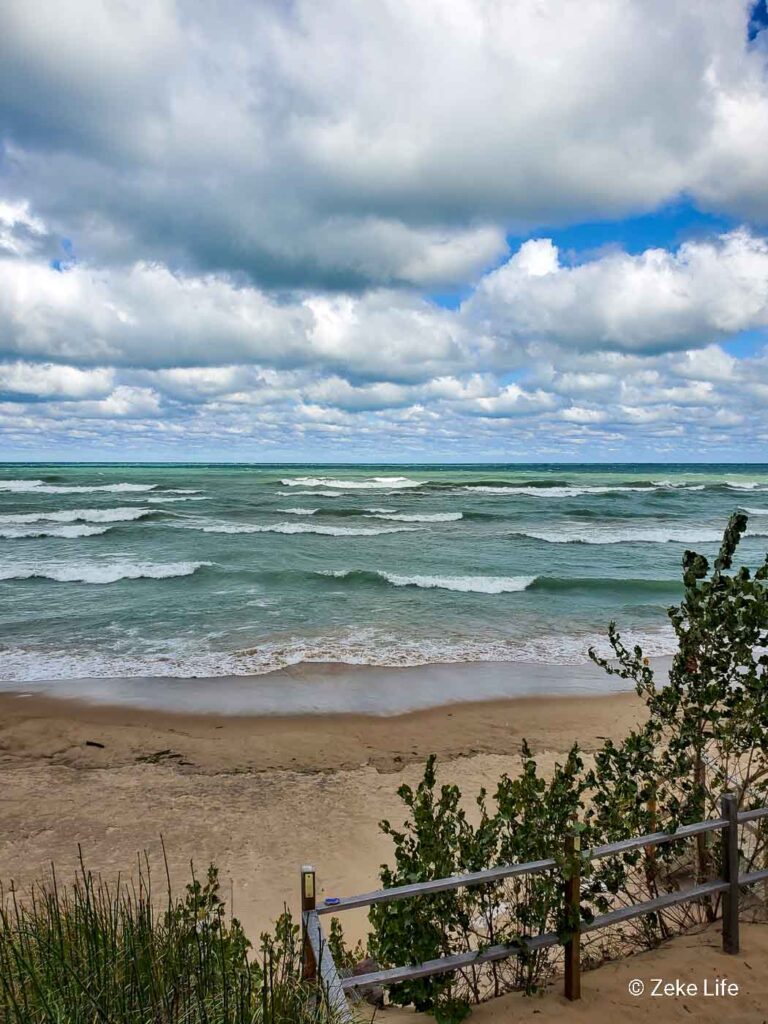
(98, 953)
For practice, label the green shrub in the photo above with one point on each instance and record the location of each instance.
(706, 732)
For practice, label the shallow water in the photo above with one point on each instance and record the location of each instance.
(151, 570)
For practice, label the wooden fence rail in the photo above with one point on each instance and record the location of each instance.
(318, 960)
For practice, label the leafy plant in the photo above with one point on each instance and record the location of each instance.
(707, 726)
(706, 731)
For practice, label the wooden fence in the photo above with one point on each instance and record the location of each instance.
(319, 964)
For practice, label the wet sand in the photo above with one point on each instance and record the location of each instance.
(257, 795)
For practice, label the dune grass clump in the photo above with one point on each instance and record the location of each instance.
(95, 953)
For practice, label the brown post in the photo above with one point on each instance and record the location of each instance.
(573, 904)
(308, 964)
(729, 808)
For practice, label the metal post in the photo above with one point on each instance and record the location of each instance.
(573, 905)
(729, 808)
(308, 964)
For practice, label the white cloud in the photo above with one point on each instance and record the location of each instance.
(376, 143)
(652, 302)
(260, 205)
(50, 381)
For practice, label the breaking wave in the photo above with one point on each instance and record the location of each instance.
(41, 487)
(364, 646)
(374, 483)
(326, 531)
(85, 515)
(629, 535)
(62, 532)
(464, 584)
(425, 517)
(98, 573)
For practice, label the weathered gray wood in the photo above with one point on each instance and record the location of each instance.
(727, 824)
(670, 899)
(404, 892)
(654, 839)
(451, 963)
(329, 976)
(752, 877)
(758, 812)
(729, 807)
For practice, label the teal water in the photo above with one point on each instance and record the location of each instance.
(178, 570)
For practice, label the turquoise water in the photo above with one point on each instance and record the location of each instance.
(176, 570)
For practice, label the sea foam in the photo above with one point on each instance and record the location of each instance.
(98, 573)
(554, 492)
(425, 517)
(374, 483)
(326, 531)
(464, 584)
(629, 535)
(85, 515)
(41, 487)
(69, 532)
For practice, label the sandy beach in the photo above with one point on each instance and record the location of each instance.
(257, 795)
(260, 795)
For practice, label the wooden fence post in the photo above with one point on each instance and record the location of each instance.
(573, 906)
(308, 964)
(729, 808)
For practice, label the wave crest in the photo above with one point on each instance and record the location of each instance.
(70, 532)
(325, 531)
(637, 535)
(99, 573)
(425, 517)
(374, 483)
(41, 487)
(84, 515)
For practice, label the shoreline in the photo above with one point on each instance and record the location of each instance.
(331, 689)
(259, 796)
(78, 734)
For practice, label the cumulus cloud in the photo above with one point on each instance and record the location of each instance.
(652, 302)
(372, 144)
(222, 233)
(47, 381)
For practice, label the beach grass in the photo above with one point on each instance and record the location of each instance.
(92, 952)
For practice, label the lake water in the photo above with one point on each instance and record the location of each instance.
(192, 570)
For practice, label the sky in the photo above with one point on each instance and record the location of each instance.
(453, 230)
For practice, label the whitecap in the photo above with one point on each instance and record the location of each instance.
(553, 492)
(464, 584)
(167, 501)
(374, 483)
(85, 515)
(425, 517)
(64, 532)
(628, 535)
(41, 487)
(326, 531)
(98, 573)
(300, 511)
(318, 494)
